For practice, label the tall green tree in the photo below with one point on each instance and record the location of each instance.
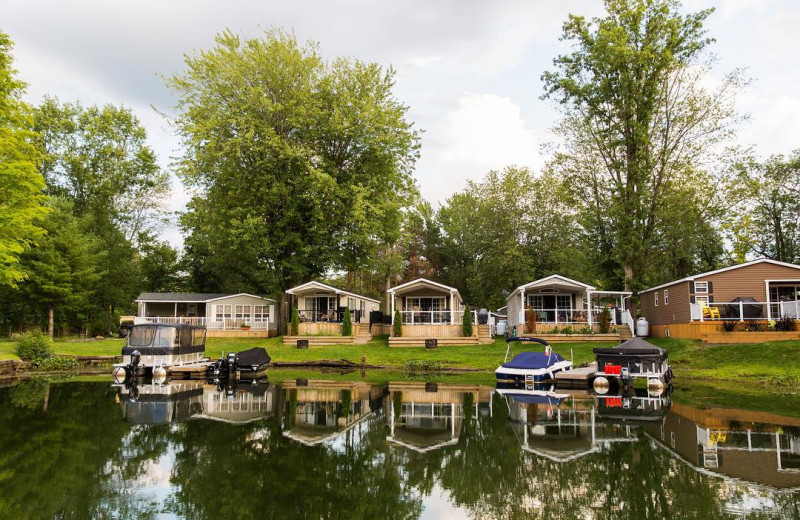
(508, 229)
(640, 127)
(764, 210)
(21, 185)
(301, 165)
(98, 158)
(61, 267)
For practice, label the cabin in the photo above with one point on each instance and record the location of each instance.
(753, 293)
(321, 309)
(560, 303)
(223, 315)
(431, 310)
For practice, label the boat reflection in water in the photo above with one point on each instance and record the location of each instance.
(756, 447)
(317, 411)
(167, 402)
(429, 416)
(562, 427)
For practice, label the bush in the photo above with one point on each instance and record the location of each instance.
(33, 346)
(466, 323)
(585, 330)
(567, 330)
(555, 330)
(530, 321)
(784, 324)
(397, 327)
(55, 363)
(347, 323)
(423, 365)
(604, 321)
(729, 325)
(755, 326)
(295, 325)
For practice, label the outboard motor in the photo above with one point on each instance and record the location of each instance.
(133, 366)
(233, 365)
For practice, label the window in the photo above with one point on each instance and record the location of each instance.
(243, 312)
(666, 296)
(655, 298)
(222, 312)
(425, 304)
(536, 302)
(261, 313)
(563, 302)
(701, 299)
(701, 287)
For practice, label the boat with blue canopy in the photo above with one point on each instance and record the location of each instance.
(531, 367)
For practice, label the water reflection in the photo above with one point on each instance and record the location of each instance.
(428, 416)
(335, 449)
(153, 403)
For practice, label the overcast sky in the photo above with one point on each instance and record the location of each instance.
(469, 70)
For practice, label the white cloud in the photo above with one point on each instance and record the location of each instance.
(482, 132)
(774, 108)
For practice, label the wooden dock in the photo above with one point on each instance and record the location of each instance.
(577, 377)
(190, 371)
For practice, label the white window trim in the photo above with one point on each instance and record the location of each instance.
(655, 298)
(666, 296)
(701, 299)
(697, 289)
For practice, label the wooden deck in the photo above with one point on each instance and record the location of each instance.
(577, 378)
(320, 340)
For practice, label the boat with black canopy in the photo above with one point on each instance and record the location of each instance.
(630, 360)
(531, 367)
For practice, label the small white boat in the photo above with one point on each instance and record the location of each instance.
(531, 367)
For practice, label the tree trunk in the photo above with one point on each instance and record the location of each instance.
(50, 319)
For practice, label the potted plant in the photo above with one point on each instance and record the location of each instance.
(245, 326)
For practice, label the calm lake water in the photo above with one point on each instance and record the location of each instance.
(334, 449)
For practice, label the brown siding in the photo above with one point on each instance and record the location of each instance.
(747, 281)
(677, 311)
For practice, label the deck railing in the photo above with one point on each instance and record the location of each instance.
(744, 311)
(442, 317)
(579, 317)
(212, 323)
(329, 316)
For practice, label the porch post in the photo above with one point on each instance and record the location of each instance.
(176, 310)
(452, 309)
(589, 307)
(522, 308)
(766, 293)
(391, 310)
(741, 311)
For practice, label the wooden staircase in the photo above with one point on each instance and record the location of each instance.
(362, 333)
(624, 332)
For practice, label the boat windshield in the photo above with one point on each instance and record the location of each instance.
(152, 336)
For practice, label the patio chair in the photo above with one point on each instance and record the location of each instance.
(711, 312)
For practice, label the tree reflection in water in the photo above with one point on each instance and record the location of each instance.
(67, 452)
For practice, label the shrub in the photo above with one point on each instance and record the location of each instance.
(295, 326)
(586, 330)
(347, 323)
(55, 363)
(555, 330)
(397, 327)
(604, 321)
(567, 330)
(33, 346)
(422, 365)
(729, 325)
(784, 323)
(755, 326)
(466, 323)
(530, 321)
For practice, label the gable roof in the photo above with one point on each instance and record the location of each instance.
(181, 297)
(553, 278)
(420, 281)
(722, 270)
(331, 288)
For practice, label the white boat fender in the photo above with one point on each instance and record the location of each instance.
(119, 375)
(601, 385)
(655, 386)
(159, 374)
(548, 350)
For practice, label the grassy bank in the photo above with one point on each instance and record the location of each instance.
(776, 364)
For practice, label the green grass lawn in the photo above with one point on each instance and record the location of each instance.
(775, 363)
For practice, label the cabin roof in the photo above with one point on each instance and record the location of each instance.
(187, 297)
(724, 269)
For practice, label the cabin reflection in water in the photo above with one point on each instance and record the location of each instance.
(176, 401)
(317, 410)
(756, 447)
(429, 416)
